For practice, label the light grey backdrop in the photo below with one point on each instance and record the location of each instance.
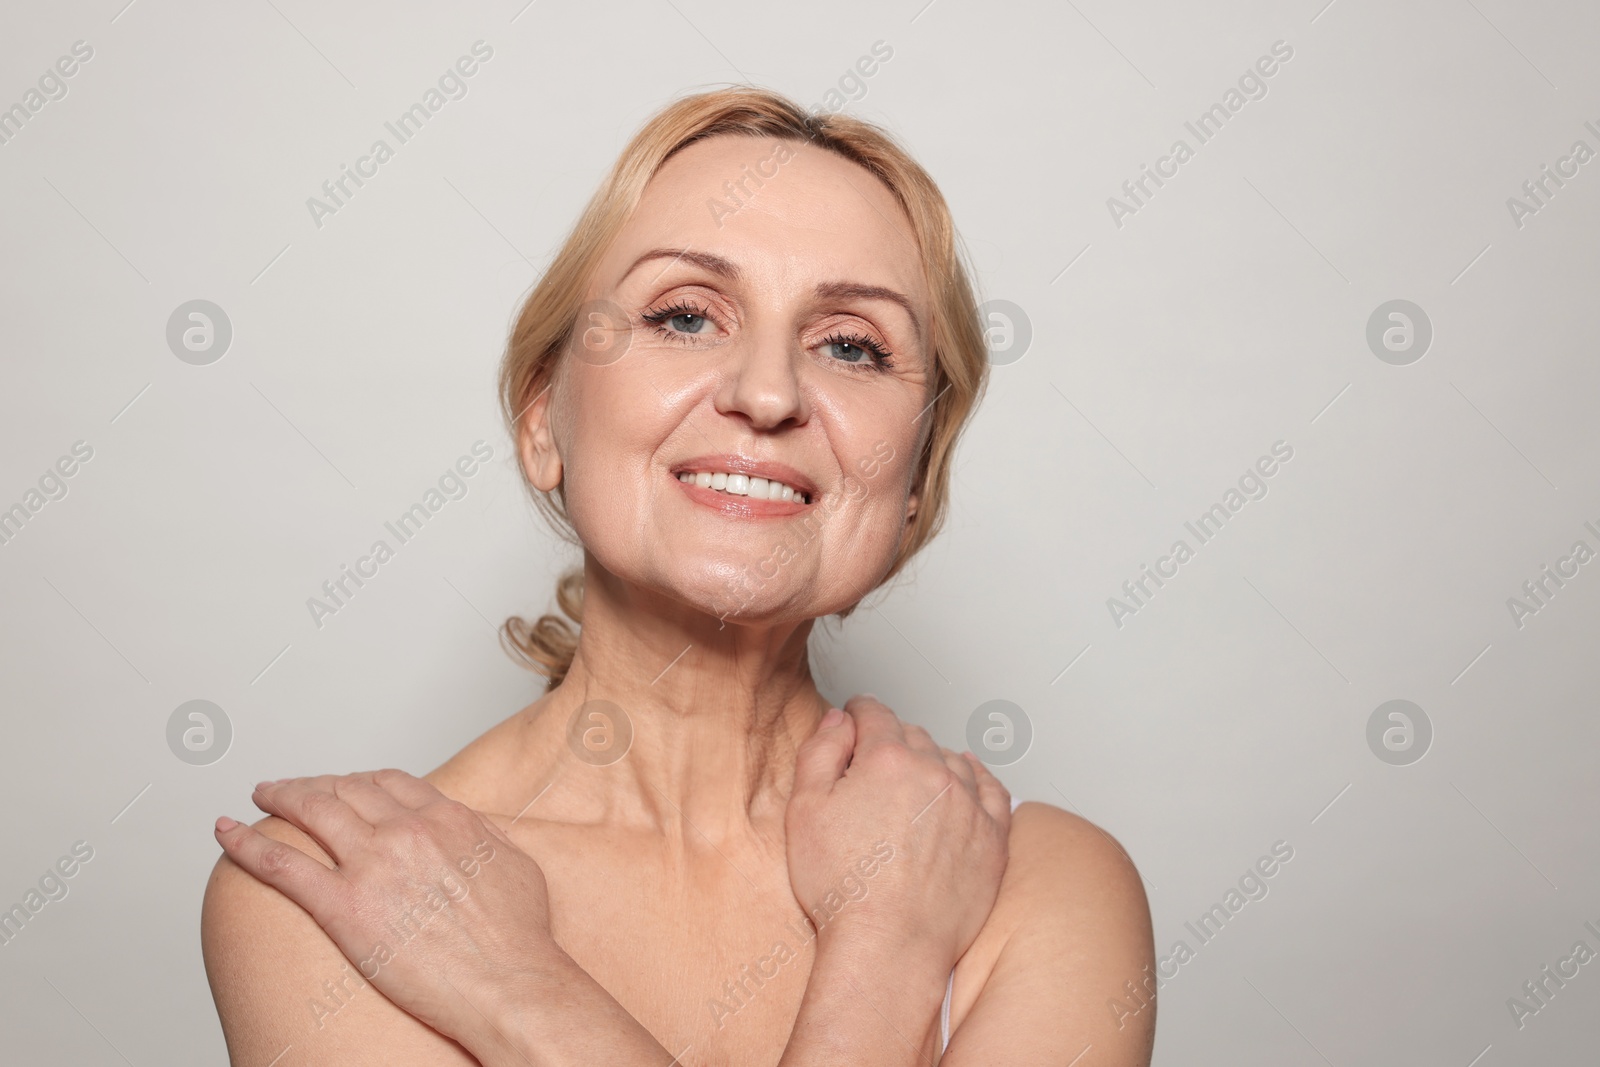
(1172, 345)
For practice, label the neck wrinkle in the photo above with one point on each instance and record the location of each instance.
(717, 712)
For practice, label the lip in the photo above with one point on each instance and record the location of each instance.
(743, 506)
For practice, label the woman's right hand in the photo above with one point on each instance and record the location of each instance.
(894, 844)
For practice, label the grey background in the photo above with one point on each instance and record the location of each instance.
(1167, 355)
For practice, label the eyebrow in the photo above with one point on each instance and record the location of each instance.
(832, 290)
(855, 291)
(715, 264)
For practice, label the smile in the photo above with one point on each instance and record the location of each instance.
(744, 485)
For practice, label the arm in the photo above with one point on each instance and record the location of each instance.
(431, 929)
(1076, 930)
(896, 849)
(868, 1008)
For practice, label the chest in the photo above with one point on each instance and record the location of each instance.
(711, 957)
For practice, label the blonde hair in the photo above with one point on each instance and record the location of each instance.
(544, 325)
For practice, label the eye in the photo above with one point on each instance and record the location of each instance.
(859, 350)
(680, 319)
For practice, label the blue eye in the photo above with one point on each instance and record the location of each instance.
(858, 350)
(681, 319)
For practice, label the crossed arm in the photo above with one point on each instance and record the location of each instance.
(292, 921)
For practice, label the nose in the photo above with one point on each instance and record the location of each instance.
(762, 382)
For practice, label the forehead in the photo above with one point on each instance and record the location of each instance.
(780, 210)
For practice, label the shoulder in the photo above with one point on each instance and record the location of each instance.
(1070, 927)
(1070, 888)
(1051, 848)
(280, 982)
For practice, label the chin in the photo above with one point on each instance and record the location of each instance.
(732, 592)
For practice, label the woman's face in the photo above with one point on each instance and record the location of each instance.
(761, 319)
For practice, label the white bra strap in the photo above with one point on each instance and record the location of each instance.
(944, 1013)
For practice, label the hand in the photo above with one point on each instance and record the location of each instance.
(894, 843)
(430, 900)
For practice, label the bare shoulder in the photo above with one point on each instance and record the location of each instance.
(1052, 849)
(1070, 927)
(279, 982)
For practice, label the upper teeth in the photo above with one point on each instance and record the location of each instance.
(743, 485)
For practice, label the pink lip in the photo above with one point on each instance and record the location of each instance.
(743, 506)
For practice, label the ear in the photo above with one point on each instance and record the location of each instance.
(536, 445)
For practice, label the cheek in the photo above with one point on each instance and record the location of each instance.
(605, 438)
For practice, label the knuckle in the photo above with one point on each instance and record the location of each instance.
(891, 759)
(276, 859)
(414, 827)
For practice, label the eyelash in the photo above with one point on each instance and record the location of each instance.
(658, 318)
(881, 358)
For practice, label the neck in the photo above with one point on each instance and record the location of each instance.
(716, 711)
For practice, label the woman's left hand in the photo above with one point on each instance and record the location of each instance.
(429, 899)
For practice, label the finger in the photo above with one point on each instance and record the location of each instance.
(875, 723)
(310, 804)
(409, 790)
(821, 760)
(994, 797)
(282, 866)
(959, 765)
(919, 740)
(373, 803)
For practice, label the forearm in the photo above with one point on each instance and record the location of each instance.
(868, 1008)
(558, 1016)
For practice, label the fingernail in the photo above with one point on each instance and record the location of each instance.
(832, 718)
(869, 696)
(261, 787)
(225, 824)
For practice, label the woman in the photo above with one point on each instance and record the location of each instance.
(739, 385)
